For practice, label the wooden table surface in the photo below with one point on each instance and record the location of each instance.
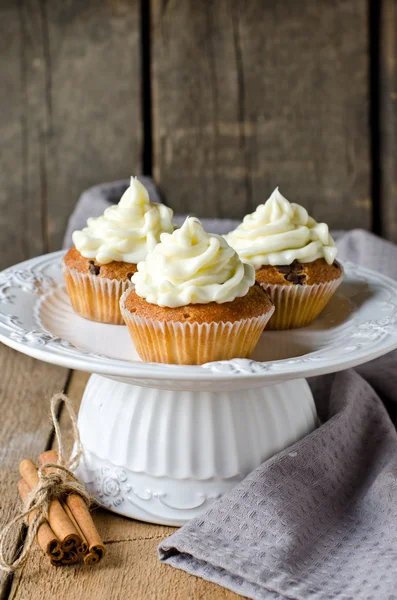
(130, 568)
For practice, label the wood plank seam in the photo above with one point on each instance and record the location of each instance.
(374, 12)
(7, 586)
(387, 114)
(307, 131)
(44, 147)
(146, 89)
(136, 539)
(132, 560)
(241, 105)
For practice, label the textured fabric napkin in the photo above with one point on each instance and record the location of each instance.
(318, 520)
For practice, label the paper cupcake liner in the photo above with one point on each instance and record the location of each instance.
(298, 305)
(95, 298)
(174, 342)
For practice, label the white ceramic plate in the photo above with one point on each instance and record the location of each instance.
(359, 324)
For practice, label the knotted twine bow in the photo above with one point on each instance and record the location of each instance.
(57, 483)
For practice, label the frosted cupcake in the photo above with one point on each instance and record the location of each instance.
(99, 268)
(194, 301)
(294, 257)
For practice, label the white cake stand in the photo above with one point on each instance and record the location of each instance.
(162, 442)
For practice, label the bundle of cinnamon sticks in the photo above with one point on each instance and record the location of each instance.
(69, 535)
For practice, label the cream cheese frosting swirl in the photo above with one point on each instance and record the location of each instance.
(191, 266)
(279, 232)
(127, 231)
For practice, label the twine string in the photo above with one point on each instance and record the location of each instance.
(56, 480)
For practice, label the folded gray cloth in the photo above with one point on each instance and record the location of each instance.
(318, 520)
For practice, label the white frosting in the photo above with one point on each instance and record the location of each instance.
(127, 231)
(279, 232)
(191, 266)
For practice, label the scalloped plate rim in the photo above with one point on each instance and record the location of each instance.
(136, 371)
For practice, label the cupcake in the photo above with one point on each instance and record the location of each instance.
(294, 259)
(194, 301)
(99, 268)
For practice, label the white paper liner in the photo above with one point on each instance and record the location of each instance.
(298, 305)
(95, 298)
(174, 342)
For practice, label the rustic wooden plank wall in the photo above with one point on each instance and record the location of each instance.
(251, 94)
(70, 112)
(388, 118)
(233, 96)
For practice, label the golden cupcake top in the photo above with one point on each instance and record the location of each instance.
(191, 266)
(127, 231)
(280, 232)
(252, 305)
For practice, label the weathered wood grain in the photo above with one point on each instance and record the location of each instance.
(95, 87)
(24, 130)
(70, 112)
(130, 568)
(131, 571)
(26, 385)
(388, 118)
(251, 94)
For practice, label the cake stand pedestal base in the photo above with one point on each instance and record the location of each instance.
(164, 456)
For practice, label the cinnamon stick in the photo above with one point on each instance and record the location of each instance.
(95, 554)
(58, 520)
(83, 548)
(82, 516)
(51, 457)
(69, 558)
(46, 538)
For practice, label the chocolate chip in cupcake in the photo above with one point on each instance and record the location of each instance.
(294, 258)
(99, 268)
(93, 268)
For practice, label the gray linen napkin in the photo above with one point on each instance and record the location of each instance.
(318, 520)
